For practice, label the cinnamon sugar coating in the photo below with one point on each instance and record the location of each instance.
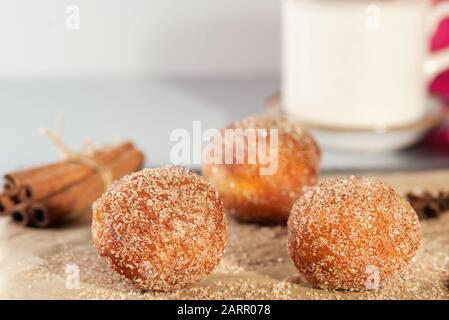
(252, 197)
(164, 229)
(352, 233)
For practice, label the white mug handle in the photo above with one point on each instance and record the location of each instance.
(438, 61)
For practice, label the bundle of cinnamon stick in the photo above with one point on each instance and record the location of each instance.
(44, 195)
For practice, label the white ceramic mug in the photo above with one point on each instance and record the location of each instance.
(359, 63)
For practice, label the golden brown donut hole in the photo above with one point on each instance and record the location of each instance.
(163, 229)
(252, 197)
(349, 233)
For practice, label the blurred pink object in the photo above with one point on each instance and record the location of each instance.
(437, 141)
(440, 86)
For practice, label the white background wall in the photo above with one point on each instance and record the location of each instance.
(94, 75)
(182, 38)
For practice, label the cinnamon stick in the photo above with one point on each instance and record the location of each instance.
(6, 205)
(11, 181)
(82, 194)
(25, 194)
(37, 183)
(20, 214)
(39, 215)
(43, 195)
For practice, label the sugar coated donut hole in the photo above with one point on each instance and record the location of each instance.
(164, 229)
(267, 198)
(352, 233)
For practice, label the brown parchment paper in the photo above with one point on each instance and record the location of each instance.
(44, 264)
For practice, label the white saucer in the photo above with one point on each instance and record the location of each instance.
(372, 139)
